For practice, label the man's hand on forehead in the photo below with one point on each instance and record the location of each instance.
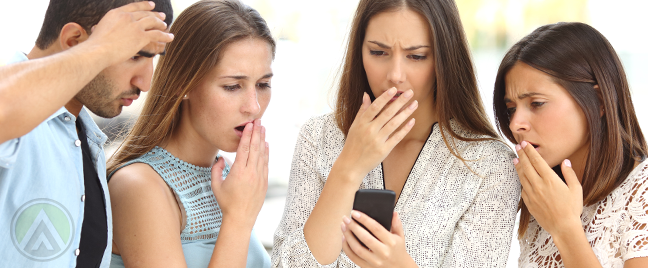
(133, 29)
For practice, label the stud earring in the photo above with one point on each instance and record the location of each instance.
(185, 97)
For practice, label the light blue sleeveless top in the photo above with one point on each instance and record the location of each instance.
(191, 186)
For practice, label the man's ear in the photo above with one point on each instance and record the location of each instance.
(71, 35)
(599, 94)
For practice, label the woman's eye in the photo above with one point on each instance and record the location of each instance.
(537, 104)
(510, 111)
(417, 57)
(232, 87)
(377, 52)
(263, 85)
(135, 58)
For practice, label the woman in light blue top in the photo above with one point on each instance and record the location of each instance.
(171, 205)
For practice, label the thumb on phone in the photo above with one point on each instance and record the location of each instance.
(397, 225)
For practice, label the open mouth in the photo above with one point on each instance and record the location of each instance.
(240, 128)
(396, 96)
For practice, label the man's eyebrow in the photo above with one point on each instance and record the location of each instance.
(381, 45)
(523, 96)
(150, 55)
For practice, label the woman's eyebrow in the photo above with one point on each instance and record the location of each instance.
(245, 77)
(523, 96)
(381, 45)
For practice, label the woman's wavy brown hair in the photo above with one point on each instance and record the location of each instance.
(456, 95)
(201, 32)
(578, 57)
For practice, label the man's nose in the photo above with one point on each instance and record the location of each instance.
(143, 75)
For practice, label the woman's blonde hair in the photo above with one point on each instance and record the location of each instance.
(201, 32)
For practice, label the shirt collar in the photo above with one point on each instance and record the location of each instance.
(92, 130)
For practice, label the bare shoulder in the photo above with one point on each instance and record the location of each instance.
(146, 218)
(138, 195)
(137, 178)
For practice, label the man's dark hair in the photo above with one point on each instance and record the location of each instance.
(86, 13)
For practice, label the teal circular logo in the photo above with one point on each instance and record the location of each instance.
(42, 229)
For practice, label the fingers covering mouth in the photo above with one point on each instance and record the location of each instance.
(241, 127)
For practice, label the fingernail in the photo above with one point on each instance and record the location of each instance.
(411, 122)
(343, 227)
(346, 220)
(518, 147)
(267, 145)
(413, 105)
(356, 214)
(257, 122)
(516, 161)
(408, 93)
(524, 144)
(391, 91)
(163, 15)
(343, 238)
(171, 35)
(263, 129)
(567, 162)
(152, 3)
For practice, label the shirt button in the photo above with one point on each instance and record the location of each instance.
(67, 118)
(83, 198)
(77, 143)
(77, 252)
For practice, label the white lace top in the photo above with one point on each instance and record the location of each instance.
(616, 227)
(451, 216)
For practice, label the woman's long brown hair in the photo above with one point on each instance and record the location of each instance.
(456, 95)
(201, 32)
(578, 57)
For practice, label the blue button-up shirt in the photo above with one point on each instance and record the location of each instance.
(42, 192)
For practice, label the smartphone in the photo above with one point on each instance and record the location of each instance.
(377, 204)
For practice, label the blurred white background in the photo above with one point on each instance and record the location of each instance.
(311, 42)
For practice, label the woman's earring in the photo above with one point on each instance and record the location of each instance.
(185, 97)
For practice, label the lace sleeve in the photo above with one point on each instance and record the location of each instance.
(482, 237)
(634, 241)
(304, 188)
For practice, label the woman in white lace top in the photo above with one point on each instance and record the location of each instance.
(562, 94)
(409, 119)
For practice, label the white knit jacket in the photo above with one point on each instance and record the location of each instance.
(452, 216)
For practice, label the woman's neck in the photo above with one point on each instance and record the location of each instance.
(425, 117)
(191, 148)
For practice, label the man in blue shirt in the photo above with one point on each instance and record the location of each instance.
(54, 200)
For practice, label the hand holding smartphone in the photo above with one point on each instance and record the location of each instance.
(377, 204)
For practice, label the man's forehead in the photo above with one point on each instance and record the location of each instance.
(153, 49)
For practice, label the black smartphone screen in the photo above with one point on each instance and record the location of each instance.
(377, 204)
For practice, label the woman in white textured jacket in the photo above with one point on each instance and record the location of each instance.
(409, 119)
